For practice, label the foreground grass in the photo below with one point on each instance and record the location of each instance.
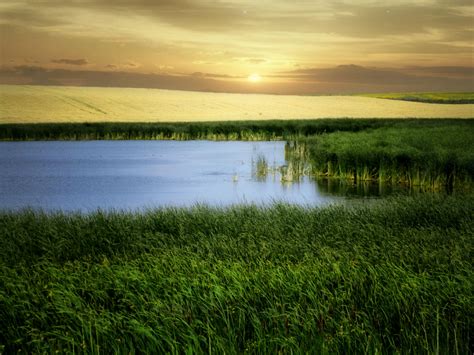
(430, 97)
(393, 277)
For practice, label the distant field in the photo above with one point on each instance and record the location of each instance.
(430, 97)
(34, 104)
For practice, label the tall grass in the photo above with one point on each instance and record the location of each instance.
(417, 156)
(225, 130)
(392, 277)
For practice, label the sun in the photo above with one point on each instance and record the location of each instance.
(254, 78)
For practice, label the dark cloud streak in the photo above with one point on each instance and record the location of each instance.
(340, 79)
(81, 61)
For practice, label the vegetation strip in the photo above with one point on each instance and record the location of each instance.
(224, 130)
(396, 276)
(429, 97)
(429, 156)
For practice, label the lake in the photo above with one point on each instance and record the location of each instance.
(87, 175)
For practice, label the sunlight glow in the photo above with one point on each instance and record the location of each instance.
(254, 78)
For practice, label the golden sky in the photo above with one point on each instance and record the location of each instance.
(280, 46)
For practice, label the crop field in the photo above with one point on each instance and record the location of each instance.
(430, 97)
(35, 104)
(396, 276)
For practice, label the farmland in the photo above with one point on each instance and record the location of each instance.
(45, 104)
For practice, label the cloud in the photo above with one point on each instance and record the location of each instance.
(348, 18)
(335, 80)
(402, 32)
(80, 61)
(251, 60)
(444, 71)
(213, 75)
(25, 14)
(124, 66)
(164, 67)
(25, 74)
(403, 79)
(131, 64)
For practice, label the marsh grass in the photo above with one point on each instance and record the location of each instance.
(396, 276)
(261, 168)
(431, 157)
(224, 130)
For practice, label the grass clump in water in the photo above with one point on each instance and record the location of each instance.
(396, 276)
(432, 157)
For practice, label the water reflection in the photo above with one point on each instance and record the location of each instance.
(144, 174)
(344, 188)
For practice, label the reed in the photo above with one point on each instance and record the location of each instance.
(432, 157)
(225, 130)
(393, 277)
(261, 168)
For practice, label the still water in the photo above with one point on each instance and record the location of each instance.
(88, 175)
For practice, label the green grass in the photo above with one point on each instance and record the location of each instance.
(238, 130)
(430, 156)
(224, 130)
(429, 97)
(396, 276)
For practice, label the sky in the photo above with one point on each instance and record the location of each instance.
(261, 46)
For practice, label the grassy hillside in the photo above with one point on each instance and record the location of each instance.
(392, 277)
